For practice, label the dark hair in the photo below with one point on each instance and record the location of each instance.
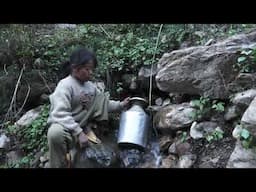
(79, 57)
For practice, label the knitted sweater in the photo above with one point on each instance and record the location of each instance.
(70, 102)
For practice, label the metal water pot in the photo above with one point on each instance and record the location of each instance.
(134, 125)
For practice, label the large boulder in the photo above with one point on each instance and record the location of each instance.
(243, 99)
(242, 158)
(173, 117)
(249, 118)
(204, 70)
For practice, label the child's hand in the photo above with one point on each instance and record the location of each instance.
(125, 102)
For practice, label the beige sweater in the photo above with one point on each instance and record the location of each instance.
(70, 102)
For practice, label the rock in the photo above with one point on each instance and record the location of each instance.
(167, 101)
(204, 70)
(165, 142)
(168, 162)
(202, 129)
(28, 117)
(172, 149)
(244, 98)
(231, 113)
(159, 101)
(243, 81)
(144, 77)
(183, 148)
(236, 132)
(96, 155)
(186, 161)
(13, 157)
(249, 118)
(4, 142)
(37, 160)
(208, 162)
(242, 158)
(179, 148)
(47, 165)
(194, 133)
(173, 117)
(43, 159)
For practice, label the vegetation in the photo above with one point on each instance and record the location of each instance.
(204, 105)
(32, 137)
(246, 63)
(120, 48)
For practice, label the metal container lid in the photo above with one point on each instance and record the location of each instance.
(140, 101)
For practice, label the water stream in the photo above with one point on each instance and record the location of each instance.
(109, 155)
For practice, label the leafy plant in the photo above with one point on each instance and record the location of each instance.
(33, 136)
(246, 62)
(246, 138)
(216, 135)
(202, 106)
(184, 136)
(218, 106)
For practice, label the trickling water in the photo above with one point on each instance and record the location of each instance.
(109, 155)
(134, 158)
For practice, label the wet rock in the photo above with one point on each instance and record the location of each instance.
(131, 157)
(165, 142)
(94, 156)
(242, 158)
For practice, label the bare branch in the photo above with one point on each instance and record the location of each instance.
(25, 100)
(44, 81)
(6, 72)
(13, 101)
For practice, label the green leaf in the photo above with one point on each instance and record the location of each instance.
(246, 52)
(245, 133)
(241, 59)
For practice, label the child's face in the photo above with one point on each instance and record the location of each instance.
(84, 73)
